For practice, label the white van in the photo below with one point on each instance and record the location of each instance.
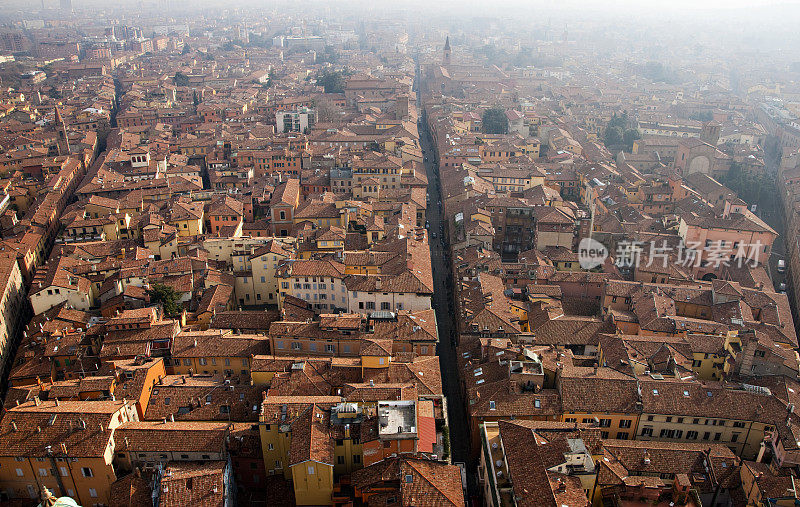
(781, 266)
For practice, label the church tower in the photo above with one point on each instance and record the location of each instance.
(446, 54)
(61, 132)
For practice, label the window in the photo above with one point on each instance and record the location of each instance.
(647, 431)
(605, 423)
(625, 423)
(43, 472)
(340, 460)
(20, 473)
(691, 435)
(203, 361)
(385, 305)
(622, 435)
(92, 492)
(278, 464)
(87, 472)
(734, 437)
(310, 469)
(706, 435)
(717, 436)
(492, 405)
(64, 471)
(357, 458)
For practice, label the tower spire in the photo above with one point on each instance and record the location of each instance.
(446, 55)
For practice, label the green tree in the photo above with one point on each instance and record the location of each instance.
(702, 116)
(327, 55)
(617, 133)
(181, 79)
(332, 81)
(750, 187)
(629, 136)
(613, 136)
(495, 121)
(167, 297)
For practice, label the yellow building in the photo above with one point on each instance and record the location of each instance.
(213, 352)
(187, 218)
(600, 395)
(66, 446)
(694, 412)
(296, 443)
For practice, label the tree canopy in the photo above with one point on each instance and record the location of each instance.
(618, 135)
(168, 297)
(495, 121)
(181, 79)
(332, 81)
(750, 187)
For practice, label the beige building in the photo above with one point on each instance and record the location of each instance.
(708, 412)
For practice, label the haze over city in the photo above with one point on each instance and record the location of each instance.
(367, 253)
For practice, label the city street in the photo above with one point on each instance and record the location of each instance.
(444, 305)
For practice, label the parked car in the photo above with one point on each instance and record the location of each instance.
(781, 266)
(782, 287)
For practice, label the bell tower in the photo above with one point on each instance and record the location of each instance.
(446, 52)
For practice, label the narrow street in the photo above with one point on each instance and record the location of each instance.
(445, 312)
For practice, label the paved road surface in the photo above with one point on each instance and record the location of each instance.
(444, 305)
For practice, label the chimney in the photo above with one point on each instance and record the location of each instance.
(56, 400)
(63, 448)
(761, 451)
(371, 383)
(172, 418)
(13, 425)
(37, 401)
(646, 457)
